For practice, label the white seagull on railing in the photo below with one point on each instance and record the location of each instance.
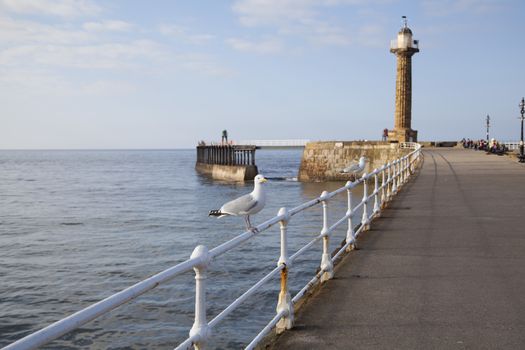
(246, 205)
(355, 168)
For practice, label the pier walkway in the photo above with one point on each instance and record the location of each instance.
(443, 268)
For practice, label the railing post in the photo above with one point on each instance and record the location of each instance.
(376, 191)
(285, 300)
(350, 234)
(405, 169)
(200, 331)
(408, 167)
(394, 177)
(383, 190)
(389, 181)
(365, 220)
(327, 267)
(402, 171)
(399, 173)
(405, 175)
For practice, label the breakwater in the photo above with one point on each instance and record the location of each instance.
(323, 161)
(227, 162)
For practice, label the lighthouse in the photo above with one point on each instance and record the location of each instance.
(403, 47)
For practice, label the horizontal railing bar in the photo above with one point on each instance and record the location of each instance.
(243, 237)
(304, 206)
(341, 251)
(185, 345)
(358, 205)
(358, 231)
(79, 318)
(306, 247)
(309, 285)
(338, 222)
(265, 330)
(93, 311)
(244, 296)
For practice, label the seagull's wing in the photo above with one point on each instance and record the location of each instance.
(240, 206)
(351, 168)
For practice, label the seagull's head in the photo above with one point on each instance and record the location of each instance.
(363, 159)
(259, 179)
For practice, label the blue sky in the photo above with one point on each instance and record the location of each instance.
(166, 74)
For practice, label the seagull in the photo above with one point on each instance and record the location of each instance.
(355, 168)
(246, 205)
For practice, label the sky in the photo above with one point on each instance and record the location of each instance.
(87, 74)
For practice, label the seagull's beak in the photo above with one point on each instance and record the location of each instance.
(263, 180)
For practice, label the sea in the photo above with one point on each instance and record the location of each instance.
(77, 226)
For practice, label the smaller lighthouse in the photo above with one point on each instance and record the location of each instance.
(403, 47)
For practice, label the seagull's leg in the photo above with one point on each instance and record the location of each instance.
(250, 227)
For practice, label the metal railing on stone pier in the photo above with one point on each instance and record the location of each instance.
(226, 154)
(386, 182)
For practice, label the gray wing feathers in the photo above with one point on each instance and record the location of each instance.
(351, 168)
(239, 206)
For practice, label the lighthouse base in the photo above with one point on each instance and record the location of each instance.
(402, 135)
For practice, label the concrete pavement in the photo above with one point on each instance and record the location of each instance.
(442, 268)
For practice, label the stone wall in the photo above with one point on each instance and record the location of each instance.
(323, 161)
(228, 172)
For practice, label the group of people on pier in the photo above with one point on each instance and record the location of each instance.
(492, 146)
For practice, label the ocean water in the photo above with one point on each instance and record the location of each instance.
(78, 226)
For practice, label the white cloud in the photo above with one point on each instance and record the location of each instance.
(16, 32)
(300, 18)
(325, 34)
(266, 46)
(273, 12)
(60, 8)
(43, 82)
(183, 33)
(108, 26)
(101, 56)
(372, 35)
(201, 63)
(41, 54)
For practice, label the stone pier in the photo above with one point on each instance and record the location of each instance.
(323, 161)
(442, 268)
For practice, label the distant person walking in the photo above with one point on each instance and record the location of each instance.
(224, 139)
(385, 134)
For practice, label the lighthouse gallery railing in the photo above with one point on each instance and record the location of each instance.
(393, 175)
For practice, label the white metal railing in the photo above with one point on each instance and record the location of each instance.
(275, 143)
(392, 176)
(512, 145)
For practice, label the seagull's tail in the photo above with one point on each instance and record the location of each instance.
(215, 213)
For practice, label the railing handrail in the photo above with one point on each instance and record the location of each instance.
(275, 143)
(512, 145)
(394, 175)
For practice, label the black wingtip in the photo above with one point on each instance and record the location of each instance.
(214, 213)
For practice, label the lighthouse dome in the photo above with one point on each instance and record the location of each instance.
(405, 30)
